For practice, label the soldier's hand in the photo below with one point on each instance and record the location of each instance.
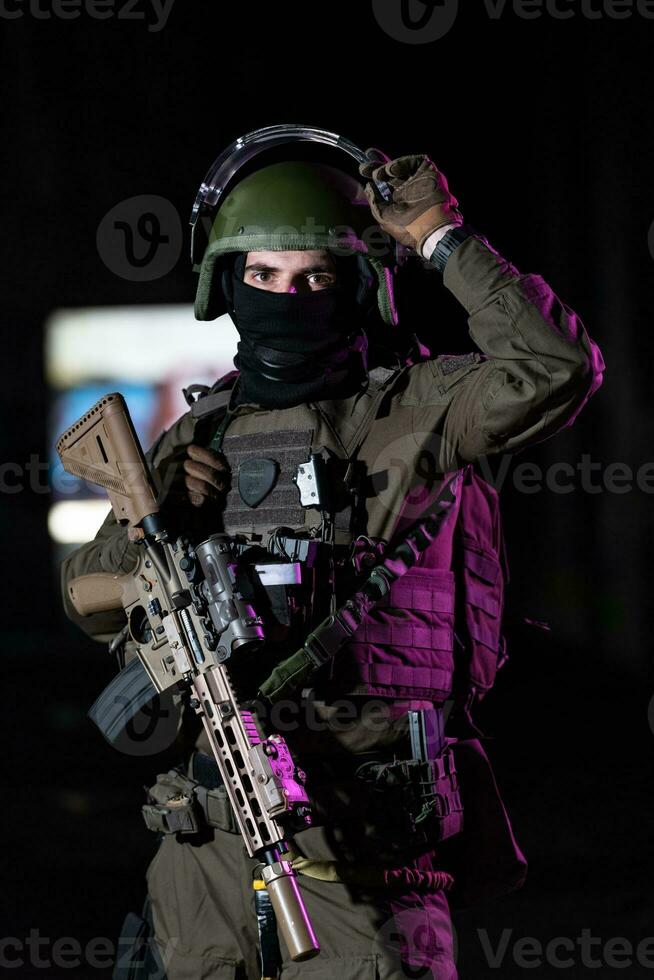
(422, 201)
(206, 475)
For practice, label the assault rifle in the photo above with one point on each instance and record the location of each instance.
(187, 619)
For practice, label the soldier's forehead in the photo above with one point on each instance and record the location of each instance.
(310, 258)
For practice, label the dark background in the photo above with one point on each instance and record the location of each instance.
(544, 130)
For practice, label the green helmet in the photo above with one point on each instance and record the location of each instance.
(294, 206)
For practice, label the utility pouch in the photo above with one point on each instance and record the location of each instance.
(420, 799)
(178, 804)
(171, 806)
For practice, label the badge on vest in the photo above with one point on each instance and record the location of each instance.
(256, 478)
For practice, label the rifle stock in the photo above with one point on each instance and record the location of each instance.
(102, 447)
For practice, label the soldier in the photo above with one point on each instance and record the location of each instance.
(296, 258)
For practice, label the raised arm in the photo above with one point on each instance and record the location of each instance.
(538, 365)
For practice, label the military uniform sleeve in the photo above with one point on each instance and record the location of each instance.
(111, 550)
(538, 365)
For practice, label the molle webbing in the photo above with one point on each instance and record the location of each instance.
(335, 632)
(281, 507)
(483, 573)
(407, 641)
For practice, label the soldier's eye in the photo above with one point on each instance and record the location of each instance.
(321, 279)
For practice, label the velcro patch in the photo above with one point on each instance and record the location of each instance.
(282, 449)
(449, 363)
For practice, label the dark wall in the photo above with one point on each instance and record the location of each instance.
(544, 130)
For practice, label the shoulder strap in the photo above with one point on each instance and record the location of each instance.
(210, 404)
(380, 381)
(206, 401)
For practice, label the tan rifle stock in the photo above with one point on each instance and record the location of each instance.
(102, 447)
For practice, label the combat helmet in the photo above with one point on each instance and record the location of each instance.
(288, 206)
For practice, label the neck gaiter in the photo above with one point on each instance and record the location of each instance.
(297, 347)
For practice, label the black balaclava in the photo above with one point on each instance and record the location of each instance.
(298, 347)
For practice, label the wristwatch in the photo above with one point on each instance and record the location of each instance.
(450, 242)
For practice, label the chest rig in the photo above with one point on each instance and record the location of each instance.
(297, 508)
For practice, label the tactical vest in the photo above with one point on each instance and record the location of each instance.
(441, 623)
(438, 632)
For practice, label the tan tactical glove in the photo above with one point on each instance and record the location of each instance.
(421, 203)
(206, 475)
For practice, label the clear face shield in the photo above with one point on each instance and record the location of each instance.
(226, 166)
